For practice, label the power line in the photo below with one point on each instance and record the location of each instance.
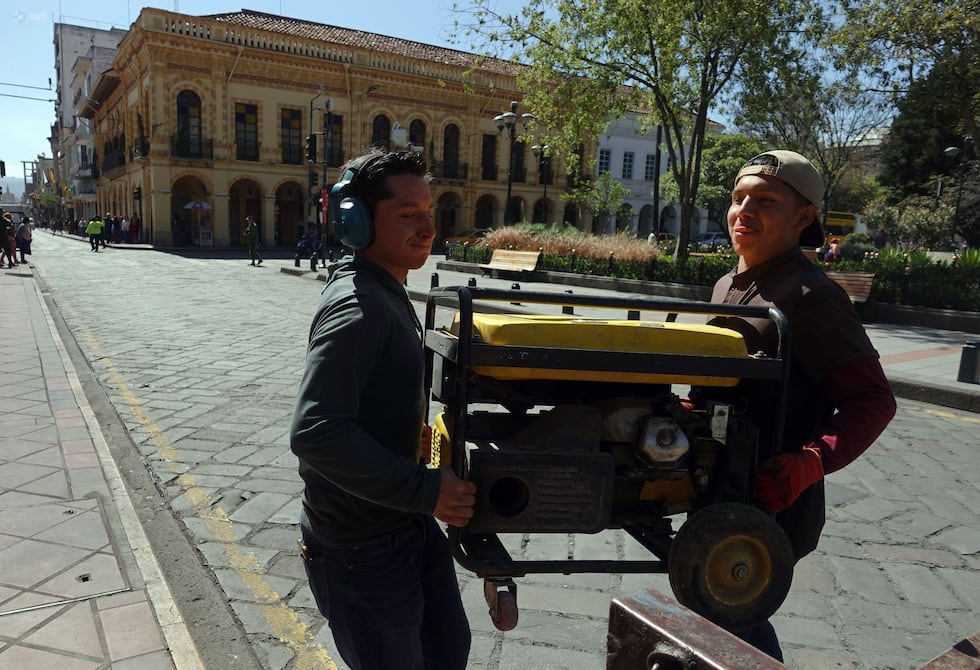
(25, 97)
(40, 88)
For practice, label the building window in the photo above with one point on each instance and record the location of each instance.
(247, 131)
(520, 171)
(628, 164)
(650, 168)
(450, 152)
(605, 156)
(333, 134)
(291, 122)
(188, 142)
(381, 133)
(416, 135)
(488, 158)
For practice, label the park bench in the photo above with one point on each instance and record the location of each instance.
(512, 260)
(857, 285)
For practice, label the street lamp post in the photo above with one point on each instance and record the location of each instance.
(508, 121)
(311, 162)
(953, 152)
(544, 162)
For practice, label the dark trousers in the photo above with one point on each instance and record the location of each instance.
(763, 637)
(93, 240)
(393, 600)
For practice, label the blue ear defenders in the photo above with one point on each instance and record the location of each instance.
(350, 215)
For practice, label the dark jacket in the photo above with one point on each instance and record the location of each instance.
(360, 408)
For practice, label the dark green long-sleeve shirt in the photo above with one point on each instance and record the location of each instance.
(360, 407)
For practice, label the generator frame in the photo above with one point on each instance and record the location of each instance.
(484, 554)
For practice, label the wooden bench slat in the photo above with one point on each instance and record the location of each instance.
(513, 260)
(857, 285)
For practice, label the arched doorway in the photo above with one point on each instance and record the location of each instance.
(191, 212)
(245, 199)
(289, 214)
(485, 208)
(646, 221)
(447, 216)
(624, 218)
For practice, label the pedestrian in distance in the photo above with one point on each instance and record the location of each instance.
(252, 235)
(7, 246)
(838, 400)
(94, 231)
(106, 231)
(22, 238)
(379, 565)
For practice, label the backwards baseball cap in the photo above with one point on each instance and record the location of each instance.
(795, 171)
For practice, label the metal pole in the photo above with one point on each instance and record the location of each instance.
(959, 191)
(328, 129)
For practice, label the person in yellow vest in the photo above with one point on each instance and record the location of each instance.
(94, 231)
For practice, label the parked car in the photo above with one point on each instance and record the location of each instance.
(710, 241)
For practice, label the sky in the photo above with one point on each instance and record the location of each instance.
(27, 104)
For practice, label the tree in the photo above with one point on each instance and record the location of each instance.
(721, 159)
(897, 42)
(588, 62)
(828, 118)
(925, 125)
(603, 197)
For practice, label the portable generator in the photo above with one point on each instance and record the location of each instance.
(570, 424)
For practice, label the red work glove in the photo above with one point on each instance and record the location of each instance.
(783, 478)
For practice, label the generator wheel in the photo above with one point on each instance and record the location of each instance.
(732, 564)
(501, 597)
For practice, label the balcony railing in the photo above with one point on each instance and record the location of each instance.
(247, 151)
(182, 147)
(113, 160)
(488, 172)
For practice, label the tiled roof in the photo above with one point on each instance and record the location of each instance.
(360, 39)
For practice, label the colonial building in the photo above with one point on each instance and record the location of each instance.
(81, 55)
(202, 121)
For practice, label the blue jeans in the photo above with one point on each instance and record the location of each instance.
(392, 601)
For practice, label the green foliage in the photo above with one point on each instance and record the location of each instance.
(670, 62)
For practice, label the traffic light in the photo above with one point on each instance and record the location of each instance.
(138, 193)
(3, 169)
(314, 179)
(311, 148)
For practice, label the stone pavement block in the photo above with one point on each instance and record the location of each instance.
(273, 656)
(157, 660)
(292, 485)
(131, 630)
(202, 530)
(222, 555)
(277, 537)
(917, 522)
(885, 553)
(547, 546)
(821, 659)
(862, 577)
(818, 632)
(807, 605)
(873, 509)
(234, 454)
(813, 574)
(867, 612)
(289, 514)
(523, 657)
(920, 585)
(964, 584)
(567, 601)
(238, 585)
(898, 648)
(260, 507)
(945, 507)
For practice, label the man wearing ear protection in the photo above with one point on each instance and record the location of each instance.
(379, 566)
(839, 400)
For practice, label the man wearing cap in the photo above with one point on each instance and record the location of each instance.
(838, 400)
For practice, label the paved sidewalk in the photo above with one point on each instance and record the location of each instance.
(80, 587)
